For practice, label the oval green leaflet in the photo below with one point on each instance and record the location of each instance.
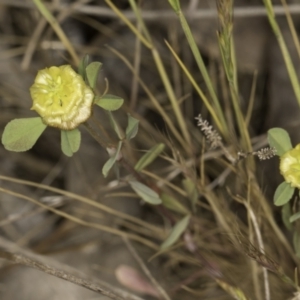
(132, 127)
(109, 102)
(70, 141)
(280, 140)
(149, 157)
(21, 134)
(92, 71)
(173, 204)
(109, 164)
(283, 194)
(147, 194)
(176, 232)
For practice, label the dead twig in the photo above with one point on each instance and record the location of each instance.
(16, 254)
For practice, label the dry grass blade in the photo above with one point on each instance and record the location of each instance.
(83, 200)
(82, 222)
(155, 283)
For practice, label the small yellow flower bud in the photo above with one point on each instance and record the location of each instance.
(61, 97)
(290, 166)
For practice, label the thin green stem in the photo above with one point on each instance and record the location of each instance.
(226, 44)
(285, 52)
(161, 69)
(153, 100)
(170, 91)
(128, 23)
(140, 19)
(205, 100)
(204, 72)
(95, 135)
(56, 27)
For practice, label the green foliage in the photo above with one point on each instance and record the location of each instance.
(70, 141)
(147, 194)
(175, 5)
(283, 194)
(149, 157)
(191, 191)
(285, 215)
(115, 125)
(173, 204)
(215, 109)
(296, 242)
(234, 291)
(280, 140)
(176, 232)
(109, 102)
(132, 127)
(290, 65)
(21, 134)
(92, 71)
(295, 217)
(109, 164)
(82, 66)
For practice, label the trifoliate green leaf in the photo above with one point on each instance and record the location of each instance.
(109, 164)
(149, 157)
(176, 232)
(283, 194)
(147, 194)
(92, 71)
(21, 134)
(132, 127)
(70, 141)
(280, 140)
(109, 102)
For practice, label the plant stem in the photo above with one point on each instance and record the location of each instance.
(55, 25)
(95, 135)
(15, 254)
(285, 52)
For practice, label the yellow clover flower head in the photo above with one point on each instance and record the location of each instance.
(290, 166)
(61, 97)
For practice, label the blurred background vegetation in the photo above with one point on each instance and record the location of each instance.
(237, 245)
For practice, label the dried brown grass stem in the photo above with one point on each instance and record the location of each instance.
(15, 254)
